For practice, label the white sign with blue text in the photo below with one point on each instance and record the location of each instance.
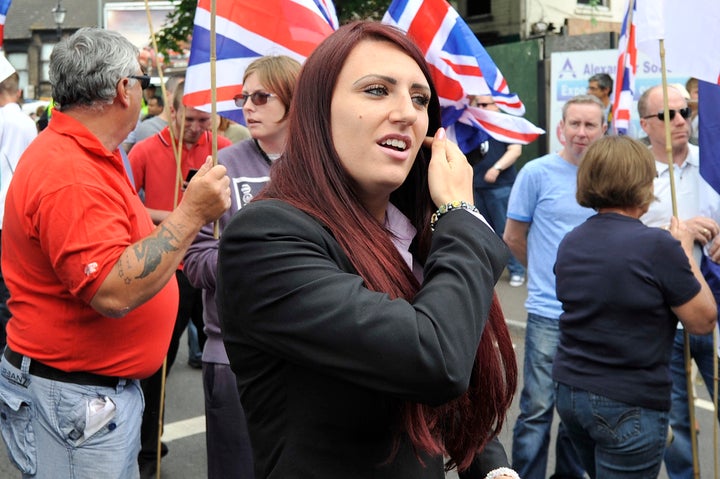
(569, 77)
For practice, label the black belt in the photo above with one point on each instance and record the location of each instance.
(44, 371)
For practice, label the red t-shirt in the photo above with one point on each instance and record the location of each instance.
(70, 213)
(155, 170)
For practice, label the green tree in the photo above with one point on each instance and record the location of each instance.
(178, 25)
(349, 10)
(177, 28)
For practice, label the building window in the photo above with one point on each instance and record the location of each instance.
(593, 8)
(45, 52)
(19, 61)
(478, 7)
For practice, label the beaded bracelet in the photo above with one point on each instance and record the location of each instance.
(453, 205)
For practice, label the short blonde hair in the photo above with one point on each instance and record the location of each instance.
(616, 172)
(585, 100)
(278, 73)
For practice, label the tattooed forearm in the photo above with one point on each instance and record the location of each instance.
(150, 250)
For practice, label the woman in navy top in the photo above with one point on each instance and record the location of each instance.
(623, 287)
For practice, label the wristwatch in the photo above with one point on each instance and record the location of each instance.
(497, 167)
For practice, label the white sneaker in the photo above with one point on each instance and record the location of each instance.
(517, 280)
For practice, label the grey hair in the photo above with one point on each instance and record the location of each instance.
(603, 80)
(583, 100)
(86, 67)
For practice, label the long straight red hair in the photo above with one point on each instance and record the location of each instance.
(309, 176)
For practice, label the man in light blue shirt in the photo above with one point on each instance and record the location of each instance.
(541, 211)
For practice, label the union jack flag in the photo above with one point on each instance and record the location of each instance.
(460, 67)
(626, 69)
(4, 7)
(246, 30)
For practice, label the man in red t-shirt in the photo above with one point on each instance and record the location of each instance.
(92, 294)
(153, 161)
(158, 175)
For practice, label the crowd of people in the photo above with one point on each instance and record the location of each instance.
(339, 265)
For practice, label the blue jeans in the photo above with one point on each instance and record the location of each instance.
(492, 204)
(531, 435)
(45, 426)
(194, 351)
(614, 440)
(678, 456)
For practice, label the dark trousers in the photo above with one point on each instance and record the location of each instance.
(229, 455)
(190, 307)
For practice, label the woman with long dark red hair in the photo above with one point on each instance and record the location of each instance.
(365, 344)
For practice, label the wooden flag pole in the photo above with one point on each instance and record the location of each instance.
(686, 336)
(213, 98)
(666, 122)
(177, 151)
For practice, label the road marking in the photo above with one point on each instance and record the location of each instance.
(184, 428)
(704, 404)
(516, 324)
(196, 425)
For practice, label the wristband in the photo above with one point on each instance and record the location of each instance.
(447, 207)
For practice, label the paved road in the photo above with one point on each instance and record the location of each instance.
(185, 426)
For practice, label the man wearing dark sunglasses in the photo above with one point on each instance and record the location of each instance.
(684, 112)
(688, 185)
(91, 279)
(493, 176)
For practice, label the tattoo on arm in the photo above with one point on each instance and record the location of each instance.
(150, 250)
(121, 270)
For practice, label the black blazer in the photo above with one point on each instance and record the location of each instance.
(323, 364)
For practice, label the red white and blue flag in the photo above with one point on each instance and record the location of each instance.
(709, 141)
(247, 30)
(4, 7)
(460, 66)
(626, 70)
(502, 127)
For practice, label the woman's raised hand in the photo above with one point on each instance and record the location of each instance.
(450, 176)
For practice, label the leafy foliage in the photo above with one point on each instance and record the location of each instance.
(177, 28)
(349, 10)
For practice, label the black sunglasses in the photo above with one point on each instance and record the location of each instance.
(144, 80)
(684, 112)
(258, 98)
